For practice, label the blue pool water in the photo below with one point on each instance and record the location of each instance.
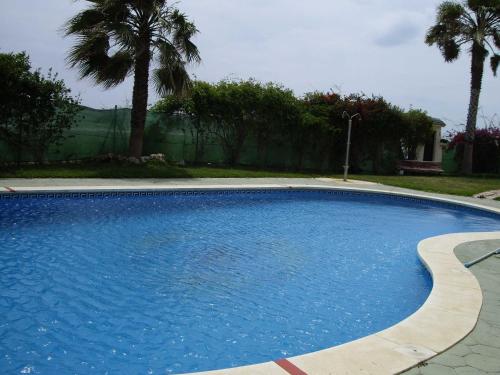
(178, 283)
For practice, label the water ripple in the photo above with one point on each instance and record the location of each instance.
(169, 284)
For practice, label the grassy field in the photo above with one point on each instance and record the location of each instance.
(465, 186)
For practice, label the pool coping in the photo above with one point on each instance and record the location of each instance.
(449, 314)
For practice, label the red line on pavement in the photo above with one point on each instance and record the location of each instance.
(9, 189)
(289, 367)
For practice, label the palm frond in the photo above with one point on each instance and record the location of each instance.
(435, 33)
(84, 21)
(496, 38)
(171, 77)
(124, 35)
(90, 55)
(182, 33)
(475, 5)
(116, 69)
(450, 50)
(167, 52)
(494, 61)
(450, 12)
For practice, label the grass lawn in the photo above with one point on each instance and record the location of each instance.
(465, 186)
(149, 170)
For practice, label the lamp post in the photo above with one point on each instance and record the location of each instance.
(350, 118)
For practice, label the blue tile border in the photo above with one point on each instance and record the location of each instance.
(4, 196)
(189, 192)
(201, 191)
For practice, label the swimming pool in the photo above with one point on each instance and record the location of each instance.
(188, 281)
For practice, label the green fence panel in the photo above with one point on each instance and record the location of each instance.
(449, 164)
(107, 131)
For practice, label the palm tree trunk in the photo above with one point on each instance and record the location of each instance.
(477, 68)
(139, 100)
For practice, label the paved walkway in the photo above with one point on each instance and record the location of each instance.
(493, 194)
(478, 353)
(156, 182)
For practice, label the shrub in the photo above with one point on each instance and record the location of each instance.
(486, 156)
(35, 110)
(311, 128)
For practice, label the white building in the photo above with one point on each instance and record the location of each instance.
(433, 149)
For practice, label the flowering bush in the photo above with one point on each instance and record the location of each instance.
(486, 158)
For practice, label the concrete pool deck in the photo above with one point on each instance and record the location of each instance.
(479, 352)
(450, 313)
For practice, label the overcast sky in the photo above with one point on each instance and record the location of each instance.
(370, 46)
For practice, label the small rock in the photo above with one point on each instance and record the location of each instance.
(133, 160)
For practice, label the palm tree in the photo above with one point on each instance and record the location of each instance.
(475, 23)
(117, 38)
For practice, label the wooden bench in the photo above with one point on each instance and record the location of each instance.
(419, 167)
